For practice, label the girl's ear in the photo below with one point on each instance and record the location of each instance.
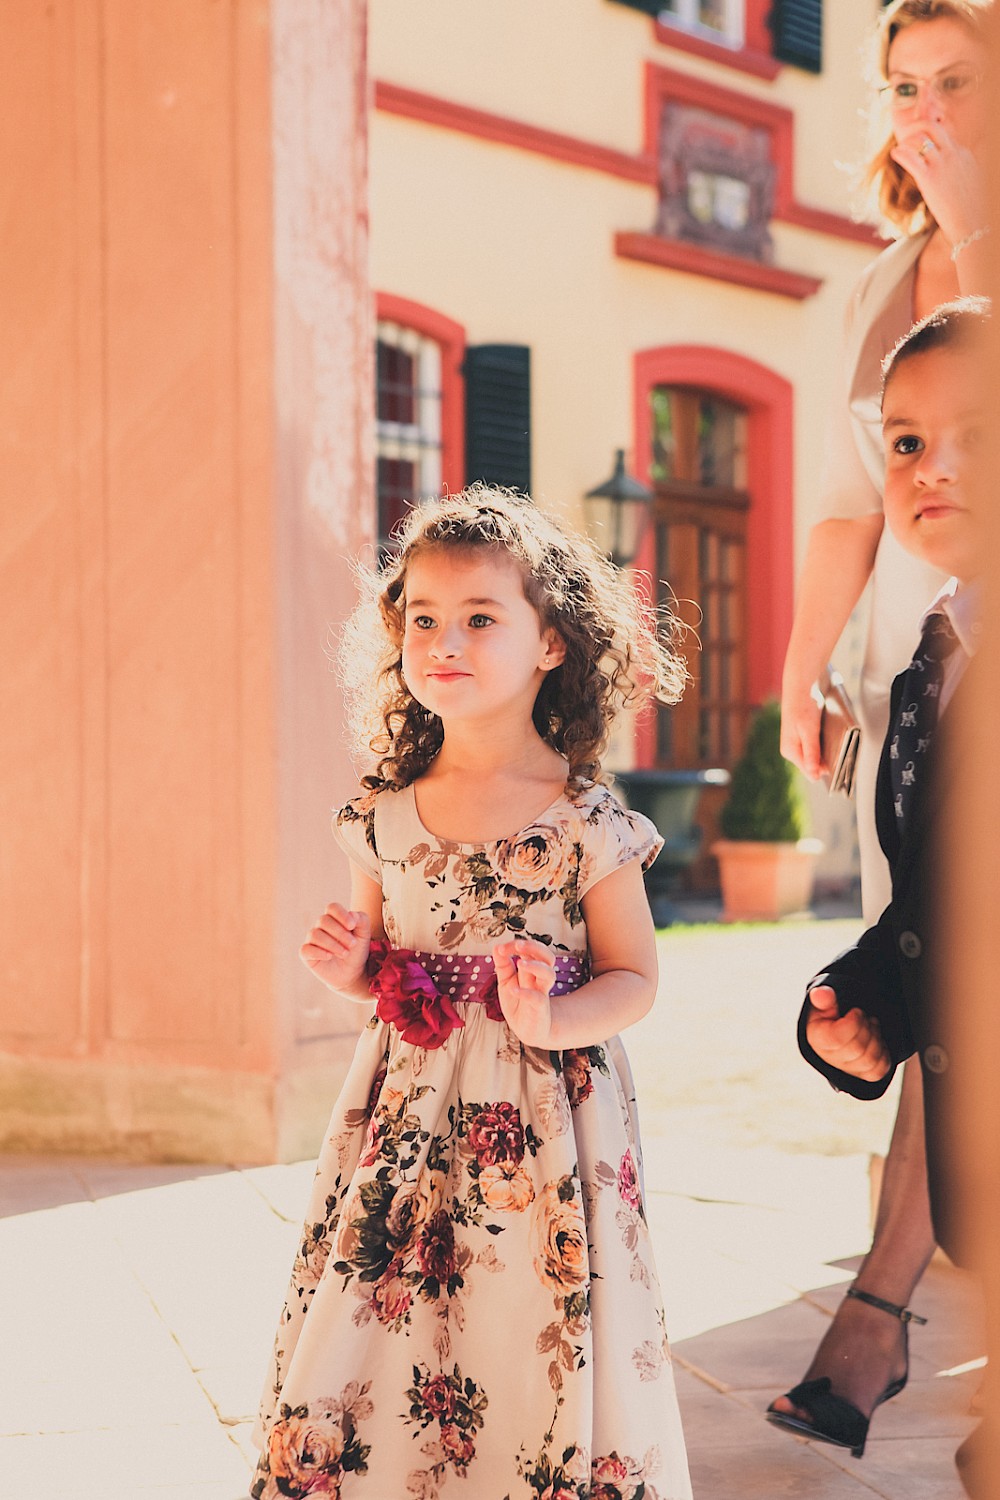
(555, 650)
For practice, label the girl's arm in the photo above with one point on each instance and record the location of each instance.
(336, 949)
(839, 557)
(623, 965)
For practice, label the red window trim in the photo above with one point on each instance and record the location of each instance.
(392, 98)
(768, 399)
(451, 337)
(667, 83)
(755, 56)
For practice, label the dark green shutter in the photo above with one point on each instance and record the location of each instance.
(651, 7)
(797, 27)
(498, 415)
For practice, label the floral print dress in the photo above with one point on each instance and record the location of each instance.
(474, 1310)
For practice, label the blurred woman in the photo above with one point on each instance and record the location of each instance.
(933, 60)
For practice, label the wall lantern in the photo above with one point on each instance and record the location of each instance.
(617, 512)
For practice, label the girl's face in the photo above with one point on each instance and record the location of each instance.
(934, 72)
(473, 645)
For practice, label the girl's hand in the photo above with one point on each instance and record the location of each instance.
(526, 972)
(948, 175)
(852, 1043)
(800, 716)
(336, 949)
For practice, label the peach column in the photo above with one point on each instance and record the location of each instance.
(184, 430)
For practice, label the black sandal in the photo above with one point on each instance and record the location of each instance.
(835, 1420)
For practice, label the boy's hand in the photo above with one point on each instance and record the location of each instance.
(851, 1043)
(526, 972)
(336, 949)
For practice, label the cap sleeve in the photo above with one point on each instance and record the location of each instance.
(354, 830)
(613, 836)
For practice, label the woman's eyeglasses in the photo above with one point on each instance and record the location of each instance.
(950, 85)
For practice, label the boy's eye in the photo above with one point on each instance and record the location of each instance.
(478, 622)
(907, 444)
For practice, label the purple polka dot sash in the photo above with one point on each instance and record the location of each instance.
(417, 992)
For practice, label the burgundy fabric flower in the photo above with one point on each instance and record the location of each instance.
(436, 1248)
(408, 998)
(496, 1134)
(491, 1000)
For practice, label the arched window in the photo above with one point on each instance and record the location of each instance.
(713, 438)
(419, 406)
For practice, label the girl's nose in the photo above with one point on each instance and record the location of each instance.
(446, 643)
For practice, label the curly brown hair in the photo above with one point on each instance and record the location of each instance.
(899, 198)
(619, 651)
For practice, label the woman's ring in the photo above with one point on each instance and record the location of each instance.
(926, 145)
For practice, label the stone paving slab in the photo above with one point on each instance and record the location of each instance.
(140, 1302)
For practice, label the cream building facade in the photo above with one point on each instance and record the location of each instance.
(657, 211)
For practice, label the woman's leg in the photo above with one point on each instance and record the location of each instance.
(863, 1349)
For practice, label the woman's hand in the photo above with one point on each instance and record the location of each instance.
(800, 720)
(526, 972)
(336, 949)
(949, 177)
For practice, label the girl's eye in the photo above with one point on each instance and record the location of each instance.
(907, 444)
(422, 622)
(905, 93)
(478, 622)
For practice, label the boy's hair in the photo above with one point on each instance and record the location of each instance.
(899, 198)
(959, 325)
(619, 651)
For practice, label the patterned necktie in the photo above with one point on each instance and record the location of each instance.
(917, 713)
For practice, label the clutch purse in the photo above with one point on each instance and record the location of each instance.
(839, 733)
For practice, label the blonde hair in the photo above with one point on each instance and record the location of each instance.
(899, 198)
(619, 651)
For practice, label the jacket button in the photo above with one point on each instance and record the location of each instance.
(936, 1059)
(910, 945)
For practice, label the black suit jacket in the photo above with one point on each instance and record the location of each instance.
(892, 972)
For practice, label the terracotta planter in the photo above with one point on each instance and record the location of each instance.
(762, 882)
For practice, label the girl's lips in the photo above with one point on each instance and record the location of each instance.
(935, 508)
(447, 676)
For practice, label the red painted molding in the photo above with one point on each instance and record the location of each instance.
(746, 59)
(451, 337)
(823, 222)
(679, 255)
(769, 401)
(394, 99)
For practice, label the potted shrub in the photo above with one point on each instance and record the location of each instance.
(766, 864)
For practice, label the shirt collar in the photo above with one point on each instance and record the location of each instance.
(962, 605)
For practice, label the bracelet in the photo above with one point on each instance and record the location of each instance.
(969, 239)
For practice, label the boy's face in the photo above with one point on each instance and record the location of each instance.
(933, 424)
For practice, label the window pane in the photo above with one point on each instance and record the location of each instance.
(663, 467)
(396, 390)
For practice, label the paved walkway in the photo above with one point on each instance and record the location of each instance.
(137, 1304)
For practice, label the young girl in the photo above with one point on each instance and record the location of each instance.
(474, 1309)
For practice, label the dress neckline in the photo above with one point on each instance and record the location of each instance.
(564, 796)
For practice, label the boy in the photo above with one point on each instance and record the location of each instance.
(878, 1002)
